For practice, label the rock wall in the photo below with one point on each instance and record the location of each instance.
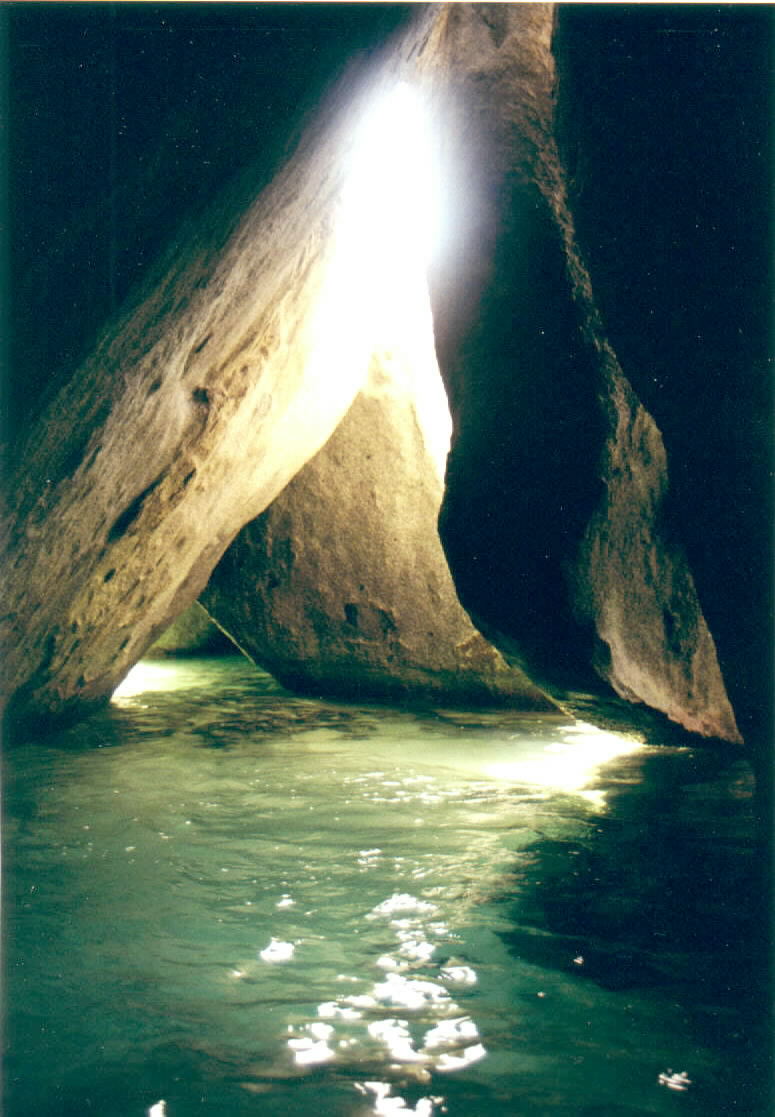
(123, 122)
(664, 124)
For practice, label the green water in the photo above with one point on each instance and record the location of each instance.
(224, 900)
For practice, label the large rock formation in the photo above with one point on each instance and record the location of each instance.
(664, 123)
(568, 518)
(553, 517)
(341, 587)
(123, 122)
(196, 408)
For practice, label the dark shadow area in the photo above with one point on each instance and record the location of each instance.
(522, 480)
(666, 897)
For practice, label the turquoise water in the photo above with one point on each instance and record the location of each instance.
(225, 900)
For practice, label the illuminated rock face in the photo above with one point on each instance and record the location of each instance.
(341, 587)
(196, 408)
(664, 126)
(225, 373)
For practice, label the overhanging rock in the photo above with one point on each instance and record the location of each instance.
(196, 408)
(192, 634)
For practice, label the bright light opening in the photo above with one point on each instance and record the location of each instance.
(372, 297)
(385, 227)
(157, 675)
(375, 300)
(391, 195)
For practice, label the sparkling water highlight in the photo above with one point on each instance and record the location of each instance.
(225, 900)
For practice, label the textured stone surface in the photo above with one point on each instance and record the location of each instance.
(198, 405)
(634, 585)
(123, 121)
(341, 586)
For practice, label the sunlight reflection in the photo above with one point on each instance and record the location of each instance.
(386, 1103)
(277, 951)
(568, 765)
(430, 1033)
(434, 924)
(154, 675)
(375, 298)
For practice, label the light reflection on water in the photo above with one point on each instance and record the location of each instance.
(241, 902)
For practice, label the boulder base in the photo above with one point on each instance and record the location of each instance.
(341, 586)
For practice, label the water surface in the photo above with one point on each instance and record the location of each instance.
(225, 900)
